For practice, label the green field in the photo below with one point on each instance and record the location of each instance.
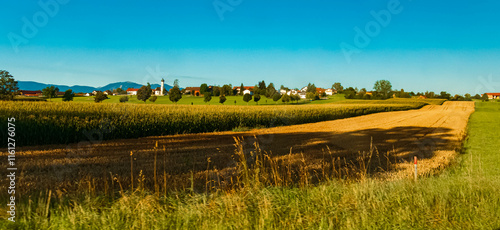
(188, 99)
(465, 196)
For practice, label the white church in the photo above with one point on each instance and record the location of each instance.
(159, 90)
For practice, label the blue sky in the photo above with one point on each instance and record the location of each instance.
(425, 45)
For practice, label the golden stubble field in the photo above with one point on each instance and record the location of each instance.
(384, 142)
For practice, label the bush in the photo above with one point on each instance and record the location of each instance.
(222, 99)
(247, 97)
(100, 96)
(153, 99)
(123, 99)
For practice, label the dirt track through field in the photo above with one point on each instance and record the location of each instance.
(433, 133)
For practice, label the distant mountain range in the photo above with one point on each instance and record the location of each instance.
(31, 85)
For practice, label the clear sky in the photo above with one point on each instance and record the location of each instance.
(418, 45)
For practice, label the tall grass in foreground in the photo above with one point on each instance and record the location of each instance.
(462, 197)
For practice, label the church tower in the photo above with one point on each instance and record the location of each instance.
(162, 82)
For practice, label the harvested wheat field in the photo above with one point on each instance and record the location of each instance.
(380, 144)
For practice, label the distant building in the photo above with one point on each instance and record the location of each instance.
(108, 92)
(132, 91)
(31, 93)
(330, 92)
(158, 91)
(493, 95)
(195, 91)
(246, 89)
(320, 91)
(288, 92)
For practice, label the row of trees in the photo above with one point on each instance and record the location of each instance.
(382, 90)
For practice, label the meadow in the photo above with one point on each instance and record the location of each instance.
(189, 99)
(69, 122)
(463, 196)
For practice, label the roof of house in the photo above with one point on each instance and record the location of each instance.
(30, 91)
(245, 87)
(132, 89)
(493, 94)
(193, 88)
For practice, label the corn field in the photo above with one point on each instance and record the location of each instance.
(40, 123)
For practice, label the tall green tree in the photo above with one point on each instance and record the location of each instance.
(270, 90)
(256, 90)
(256, 98)
(445, 95)
(49, 91)
(311, 88)
(485, 97)
(68, 95)
(216, 91)
(100, 96)
(242, 88)
(337, 86)
(276, 97)
(144, 93)
(175, 94)
(383, 87)
(8, 86)
(467, 97)
(262, 87)
(207, 97)
(203, 88)
(226, 90)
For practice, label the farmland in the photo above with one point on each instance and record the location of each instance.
(62, 123)
(99, 176)
(333, 174)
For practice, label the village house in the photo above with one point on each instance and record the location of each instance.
(157, 91)
(132, 91)
(246, 89)
(330, 92)
(31, 93)
(195, 91)
(492, 96)
(288, 92)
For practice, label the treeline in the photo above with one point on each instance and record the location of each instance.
(383, 90)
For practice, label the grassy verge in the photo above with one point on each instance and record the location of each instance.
(463, 197)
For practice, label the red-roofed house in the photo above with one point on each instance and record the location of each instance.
(193, 90)
(246, 89)
(31, 93)
(132, 91)
(493, 95)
